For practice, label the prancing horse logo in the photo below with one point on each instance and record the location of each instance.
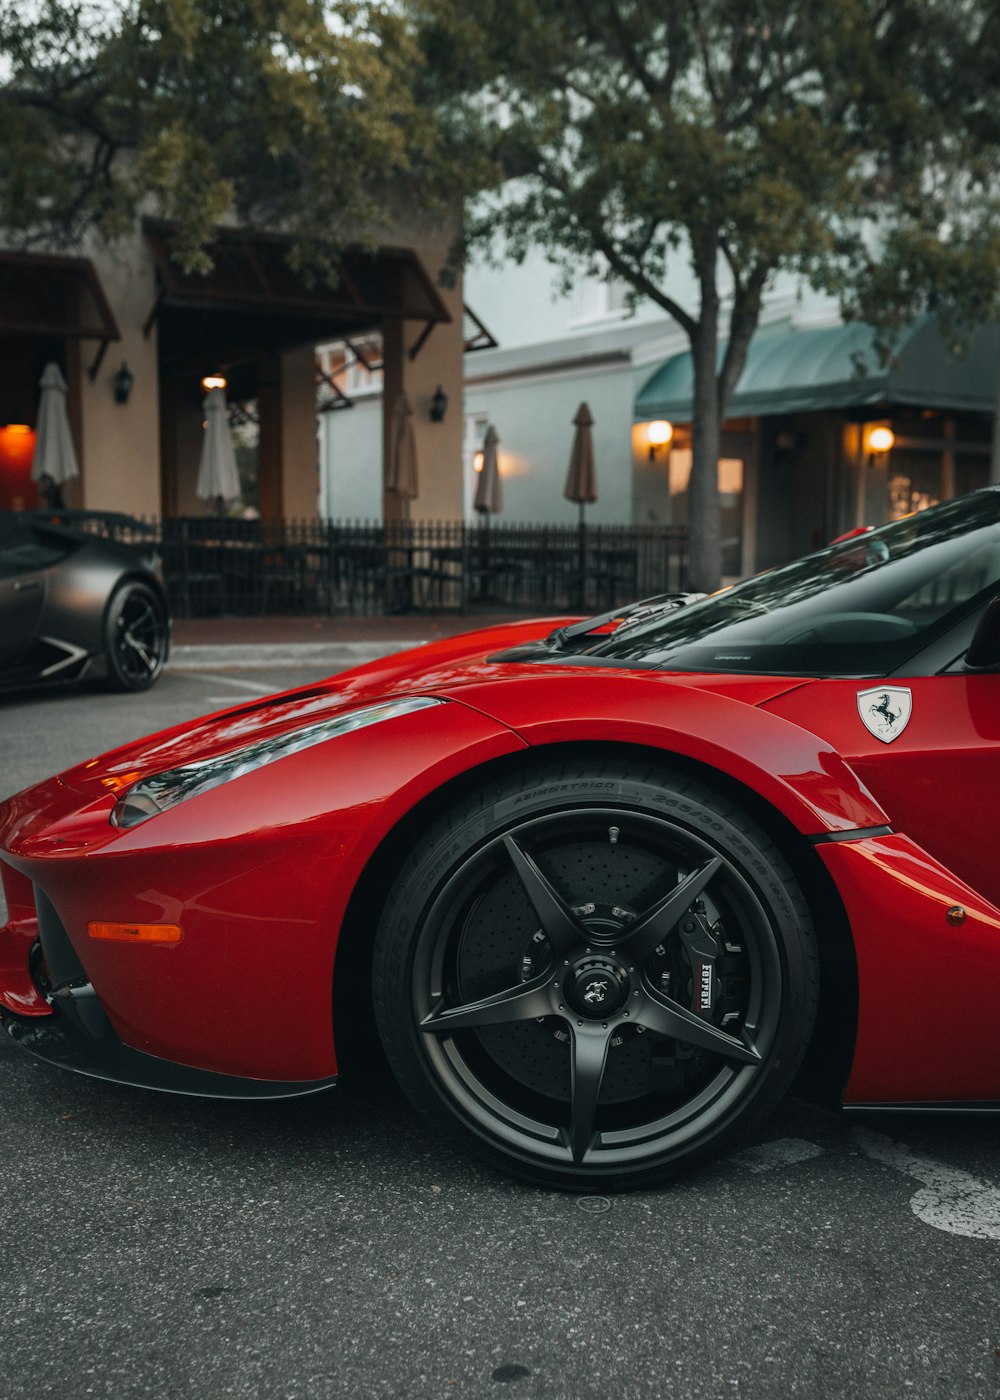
(885, 711)
(596, 991)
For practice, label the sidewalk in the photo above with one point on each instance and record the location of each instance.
(201, 643)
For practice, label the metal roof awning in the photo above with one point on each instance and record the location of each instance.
(254, 295)
(837, 367)
(42, 294)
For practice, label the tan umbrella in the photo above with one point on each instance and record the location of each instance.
(581, 479)
(54, 456)
(218, 477)
(489, 497)
(401, 476)
(581, 486)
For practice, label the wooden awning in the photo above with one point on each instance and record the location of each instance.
(252, 280)
(475, 334)
(42, 294)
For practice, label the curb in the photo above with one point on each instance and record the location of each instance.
(336, 656)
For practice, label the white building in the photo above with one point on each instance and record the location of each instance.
(798, 463)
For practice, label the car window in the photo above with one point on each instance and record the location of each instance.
(861, 607)
(23, 550)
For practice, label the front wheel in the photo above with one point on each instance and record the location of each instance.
(136, 637)
(595, 977)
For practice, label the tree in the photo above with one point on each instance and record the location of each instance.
(287, 114)
(743, 137)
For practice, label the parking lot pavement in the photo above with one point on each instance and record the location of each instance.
(160, 1247)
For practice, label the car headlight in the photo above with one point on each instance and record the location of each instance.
(161, 791)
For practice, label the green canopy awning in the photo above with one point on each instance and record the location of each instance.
(807, 371)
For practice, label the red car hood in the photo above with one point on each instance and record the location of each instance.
(440, 668)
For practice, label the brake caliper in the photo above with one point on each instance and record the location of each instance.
(703, 946)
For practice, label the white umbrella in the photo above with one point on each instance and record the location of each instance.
(54, 455)
(218, 478)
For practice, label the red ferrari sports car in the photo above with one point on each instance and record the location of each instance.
(605, 887)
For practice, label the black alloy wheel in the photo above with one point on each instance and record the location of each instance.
(595, 977)
(136, 637)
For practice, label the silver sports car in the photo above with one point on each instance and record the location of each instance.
(74, 605)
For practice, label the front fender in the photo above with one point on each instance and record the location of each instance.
(791, 768)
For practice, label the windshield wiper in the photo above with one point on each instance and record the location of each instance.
(617, 620)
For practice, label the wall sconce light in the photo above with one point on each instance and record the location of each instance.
(878, 439)
(122, 383)
(658, 434)
(214, 381)
(478, 458)
(439, 405)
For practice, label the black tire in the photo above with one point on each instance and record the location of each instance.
(595, 975)
(136, 637)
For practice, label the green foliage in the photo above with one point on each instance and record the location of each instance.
(714, 143)
(285, 114)
(766, 135)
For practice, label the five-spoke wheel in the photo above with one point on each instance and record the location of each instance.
(595, 982)
(136, 637)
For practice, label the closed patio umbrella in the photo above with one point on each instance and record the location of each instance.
(218, 477)
(581, 479)
(401, 476)
(54, 462)
(581, 487)
(489, 497)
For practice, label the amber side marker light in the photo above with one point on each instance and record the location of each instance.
(136, 933)
(119, 780)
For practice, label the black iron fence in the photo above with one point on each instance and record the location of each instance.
(222, 565)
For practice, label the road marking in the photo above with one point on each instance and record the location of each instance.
(951, 1199)
(593, 1205)
(782, 1152)
(240, 683)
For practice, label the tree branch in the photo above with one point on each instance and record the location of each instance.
(602, 240)
(706, 60)
(742, 324)
(629, 54)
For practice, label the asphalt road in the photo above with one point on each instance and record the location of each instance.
(157, 1247)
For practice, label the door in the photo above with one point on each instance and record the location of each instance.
(939, 779)
(23, 561)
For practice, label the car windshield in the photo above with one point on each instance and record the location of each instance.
(860, 607)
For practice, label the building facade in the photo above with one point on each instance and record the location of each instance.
(802, 459)
(135, 337)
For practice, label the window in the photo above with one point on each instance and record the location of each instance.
(599, 298)
(354, 367)
(858, 608)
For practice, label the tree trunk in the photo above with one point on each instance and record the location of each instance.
(704, 533)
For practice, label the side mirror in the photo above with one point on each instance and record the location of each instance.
(984, 649)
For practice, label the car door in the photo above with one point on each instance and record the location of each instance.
(928, 749)
(23, 564)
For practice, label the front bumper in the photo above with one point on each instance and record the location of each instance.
(258, 873)
(48, 1007)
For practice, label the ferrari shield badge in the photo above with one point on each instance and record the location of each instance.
(885, 711)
